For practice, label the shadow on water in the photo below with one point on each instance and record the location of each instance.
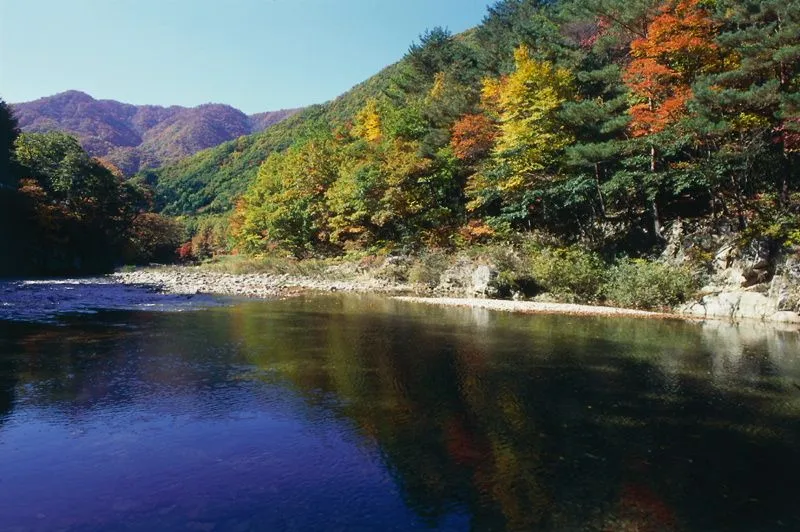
(511, 422)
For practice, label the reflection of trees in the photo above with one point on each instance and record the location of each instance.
(543, 422)
(519, 422)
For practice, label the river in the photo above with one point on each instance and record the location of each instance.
(127, 410)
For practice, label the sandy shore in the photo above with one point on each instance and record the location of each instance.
(533, 307)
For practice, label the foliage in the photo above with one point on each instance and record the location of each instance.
(473, 137)
(153, 238)
(593, 122)
(648, 285)
(9, 131)
(78, 211)
(569, 273)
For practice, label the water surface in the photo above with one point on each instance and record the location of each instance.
(360, 413)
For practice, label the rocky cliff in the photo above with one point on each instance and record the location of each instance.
(745, 280)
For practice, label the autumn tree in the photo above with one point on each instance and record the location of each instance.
(530, 141)
(285, 206)
(368, 122)
(677, 47)
(79, 211)
(473, 137)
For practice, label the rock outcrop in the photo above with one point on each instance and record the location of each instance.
(758, 280)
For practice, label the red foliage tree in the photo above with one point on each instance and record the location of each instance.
(473, 137)
(679, 45)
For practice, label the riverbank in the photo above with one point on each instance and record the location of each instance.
(196, 280)
(464, 291)
(536, 307)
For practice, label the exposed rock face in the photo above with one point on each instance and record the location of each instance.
(737, 305)
(484, 281)
(753, 281)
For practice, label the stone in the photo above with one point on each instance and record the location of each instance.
(483, 278)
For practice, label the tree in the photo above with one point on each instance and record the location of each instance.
(531, 139)
(285, 206)
(80, 211)
(755, 99)
(677, 47)
(9, 131)
(473, 137)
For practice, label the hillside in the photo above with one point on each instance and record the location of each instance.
(133, 137)
(209, 180)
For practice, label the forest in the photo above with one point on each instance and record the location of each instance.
(597, 122)
(66, 213)
(590, 124)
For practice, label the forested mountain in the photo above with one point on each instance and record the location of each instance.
(594, 121)
(140, 136)
(588, 122)
(209, 181)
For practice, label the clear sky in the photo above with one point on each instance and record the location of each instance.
(257, 55)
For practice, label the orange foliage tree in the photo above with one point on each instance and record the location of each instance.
(473, 137)
(679, 45)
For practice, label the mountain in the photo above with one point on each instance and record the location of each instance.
(210, 180)
(133, 137)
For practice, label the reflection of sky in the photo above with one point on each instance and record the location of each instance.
(139, 464)
(47, 299)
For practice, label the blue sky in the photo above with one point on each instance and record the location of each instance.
(256, 55)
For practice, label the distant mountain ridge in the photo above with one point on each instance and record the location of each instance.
(133, 137)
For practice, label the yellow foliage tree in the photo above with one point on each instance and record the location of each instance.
(527, 102)
(368, 122)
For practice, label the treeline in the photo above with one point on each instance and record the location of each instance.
(596, 121)
(64, 212)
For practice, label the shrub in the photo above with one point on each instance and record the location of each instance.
(571, 274)
(649, 285)
(428, 269)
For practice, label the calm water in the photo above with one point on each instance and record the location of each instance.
(353, 413)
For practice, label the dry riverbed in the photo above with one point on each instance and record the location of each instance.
(535, 307)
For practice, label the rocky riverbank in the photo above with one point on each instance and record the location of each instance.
(195, 280)
(754, 283)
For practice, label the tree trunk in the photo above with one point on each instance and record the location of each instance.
(599, 191)
(657, 227)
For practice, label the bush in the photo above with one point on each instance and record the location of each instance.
(649, 285)
(572, 274)
(428, 269)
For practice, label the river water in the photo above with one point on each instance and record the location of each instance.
(363, 413)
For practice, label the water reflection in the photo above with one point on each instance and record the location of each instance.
(342, 412)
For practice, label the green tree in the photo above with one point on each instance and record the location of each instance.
(80, 211)
(9, 131)
(285, 206)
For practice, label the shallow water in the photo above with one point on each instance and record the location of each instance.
(361, 413)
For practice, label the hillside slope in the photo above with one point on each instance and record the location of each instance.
(140, 136)
(209, 180)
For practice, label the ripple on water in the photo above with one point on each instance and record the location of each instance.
(48, 300)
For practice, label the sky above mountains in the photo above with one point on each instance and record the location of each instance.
(256, 55)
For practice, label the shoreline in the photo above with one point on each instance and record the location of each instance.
(190, 281)
(193, 280)
(536, 307)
